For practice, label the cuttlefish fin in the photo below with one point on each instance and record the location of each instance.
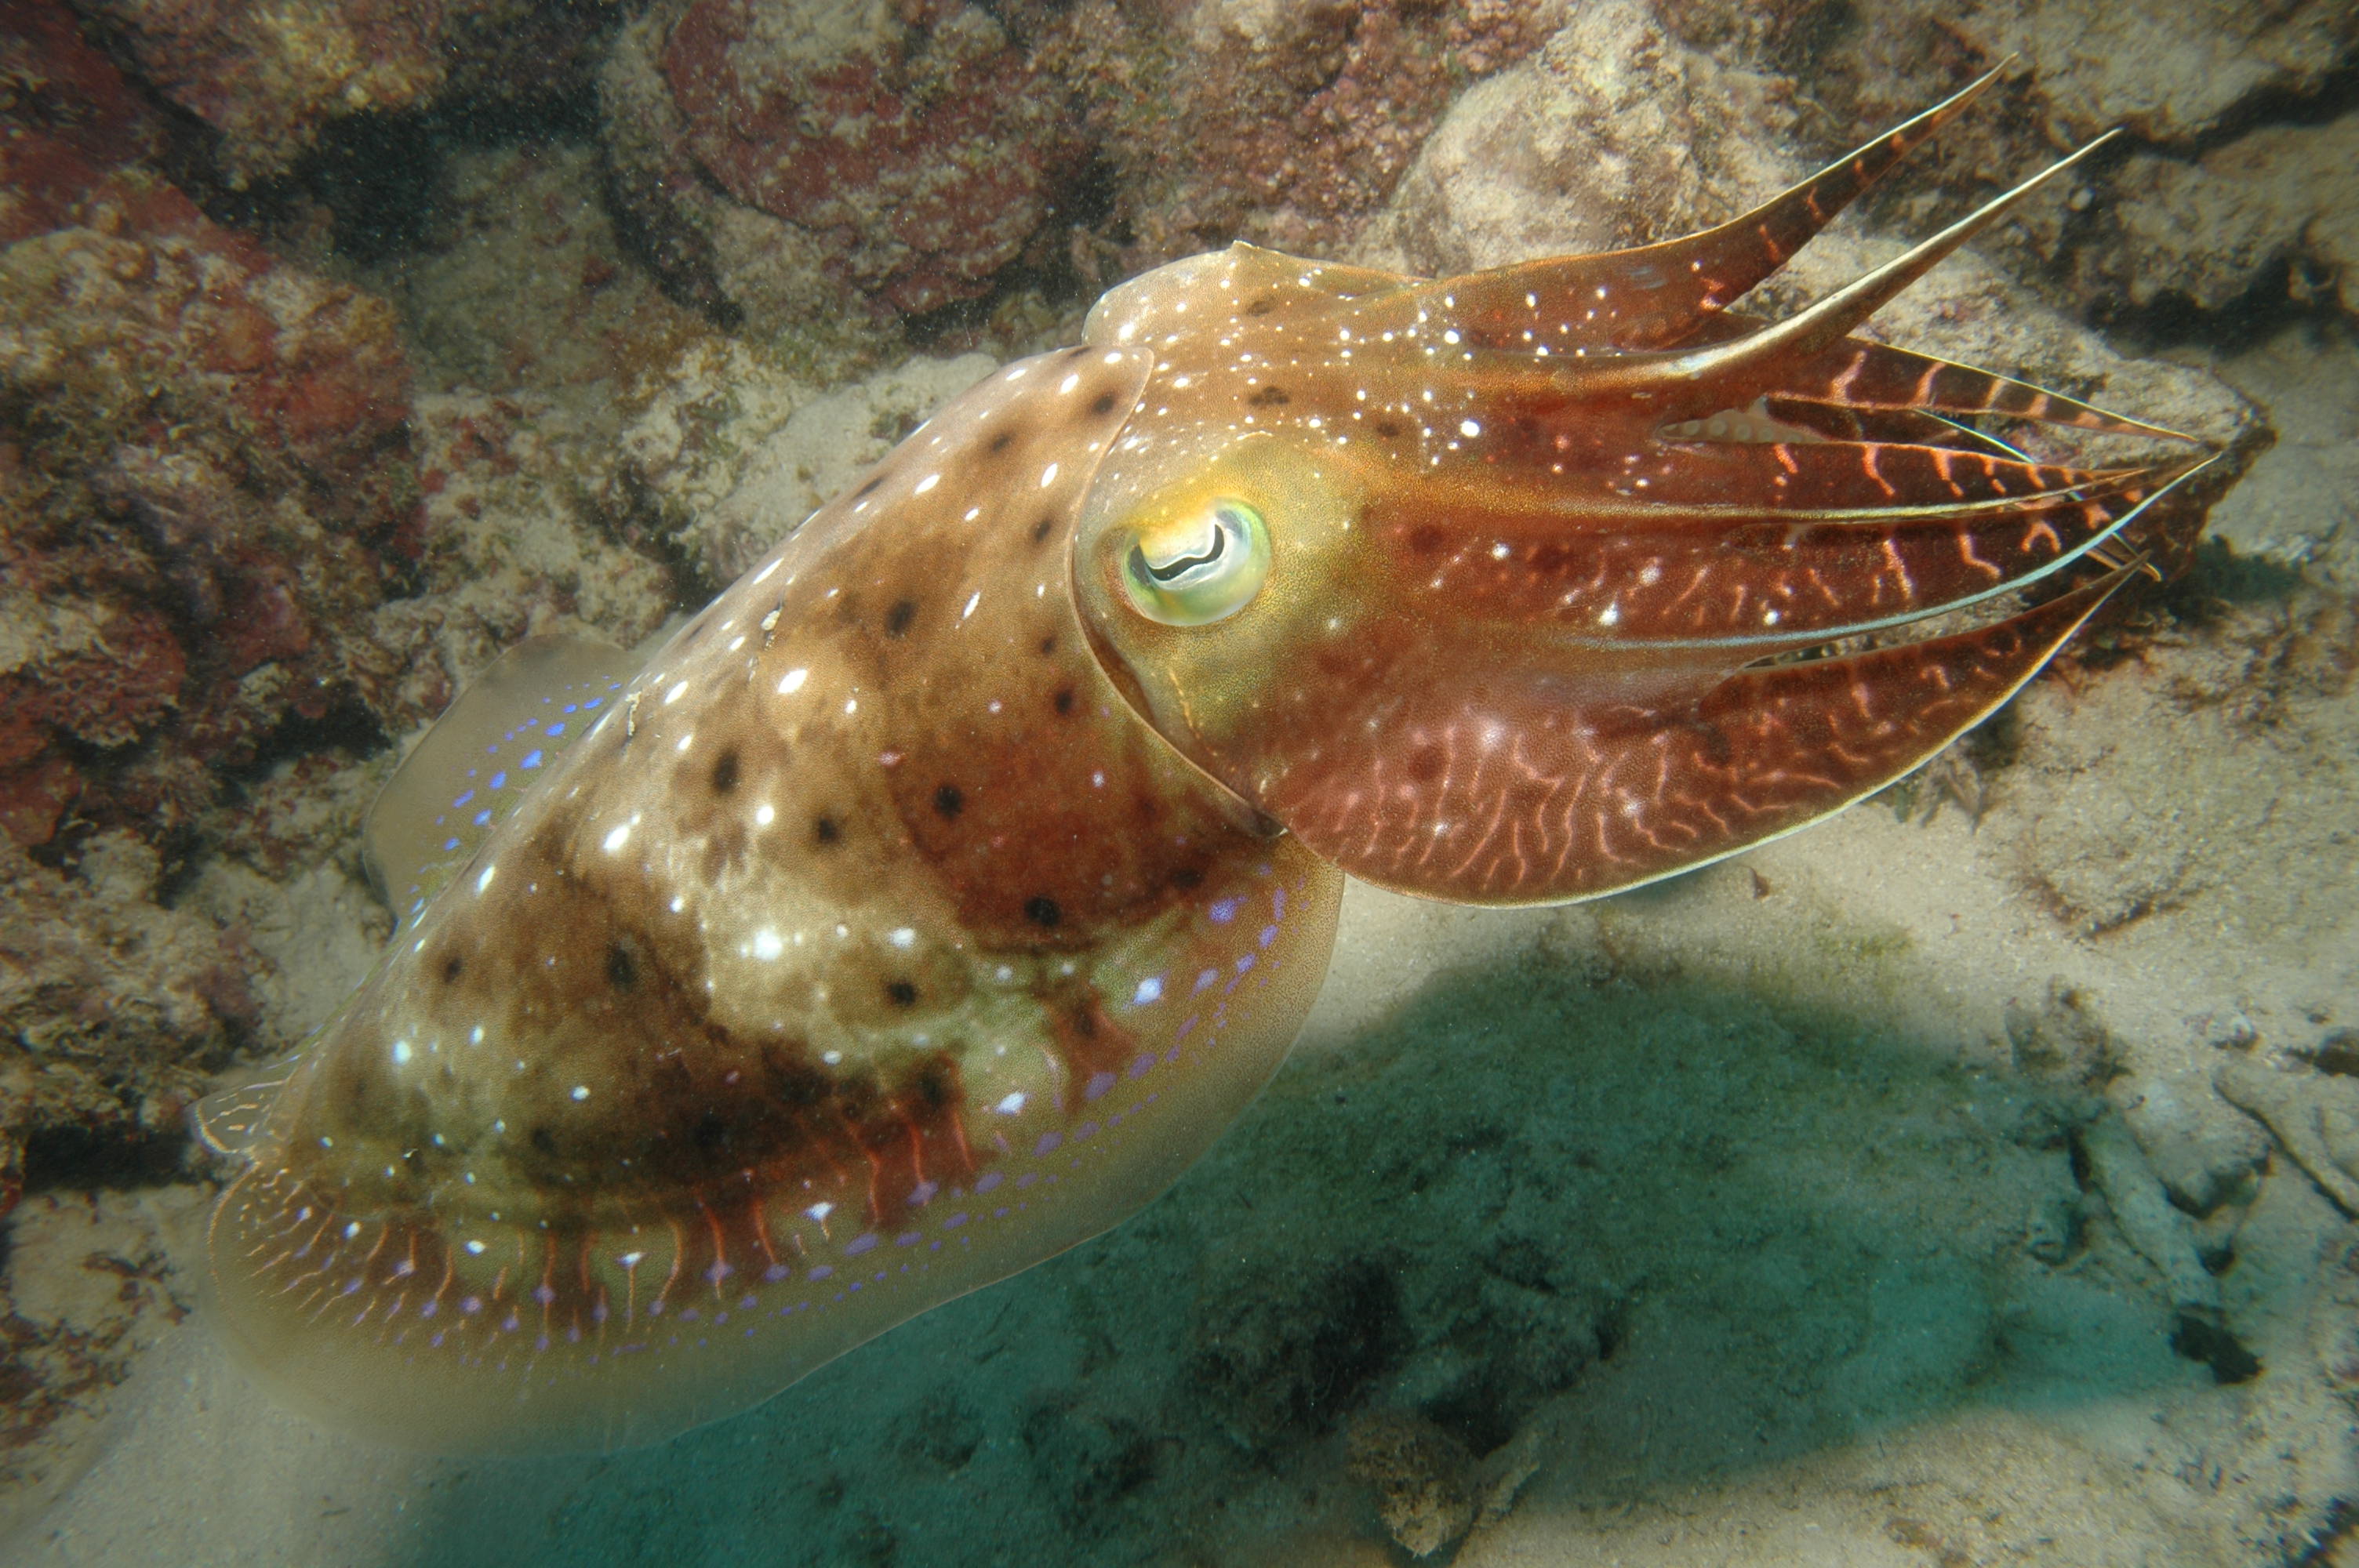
(480, 760)
(230, 1120)
(1655, 296)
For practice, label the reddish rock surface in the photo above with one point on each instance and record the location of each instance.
(203, 483)
(816, 172)
(269, 78)
(1284, 124)
(203, 467)
(922, 149)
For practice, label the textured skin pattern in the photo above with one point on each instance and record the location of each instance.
(923, 908)
(867, 950)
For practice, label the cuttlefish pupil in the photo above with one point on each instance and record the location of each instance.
(937, 895)
(1202, 567)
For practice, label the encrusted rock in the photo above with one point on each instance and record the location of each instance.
(1612, 134)
(205, 486)
(2274, 208)
(269, 78)
(1421, 1473)
(843, 159)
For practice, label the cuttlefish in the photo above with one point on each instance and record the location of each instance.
(933, 898)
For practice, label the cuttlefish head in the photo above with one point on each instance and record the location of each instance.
(1524, 586)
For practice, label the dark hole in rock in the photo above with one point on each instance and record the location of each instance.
(2200, 1339)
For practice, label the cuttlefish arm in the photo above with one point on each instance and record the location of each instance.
(1534, 578)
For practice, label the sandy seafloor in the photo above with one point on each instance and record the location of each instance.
(1780, 1212)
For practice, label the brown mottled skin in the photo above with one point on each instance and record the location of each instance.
(924, 906)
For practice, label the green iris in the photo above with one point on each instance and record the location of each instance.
(1201, 567)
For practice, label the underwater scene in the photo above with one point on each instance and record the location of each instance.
(1181, 782)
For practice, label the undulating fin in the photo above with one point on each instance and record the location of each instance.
(1654, 296)
(481, 758)
(230, 1120)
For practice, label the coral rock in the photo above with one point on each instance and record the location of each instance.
(2214, 230)
(869, 158)
(210, 479)
(1286, 124)
(269, 79)
(1421, 1473)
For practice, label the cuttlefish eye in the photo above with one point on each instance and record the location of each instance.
(1199, 566)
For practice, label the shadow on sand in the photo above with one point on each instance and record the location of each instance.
(1706, 1234)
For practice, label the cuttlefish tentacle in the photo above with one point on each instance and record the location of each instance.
(1737, 575)
(939, 893)
(1608, 796)
(1516, 590)
(1654, 296)
(1738, 369)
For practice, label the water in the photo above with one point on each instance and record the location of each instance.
(1865, 1196)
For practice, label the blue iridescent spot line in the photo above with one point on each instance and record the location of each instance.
(482, 816)
(462, 800)
(449, 843)
(592, 702)
(557, 729)
(500, 780)
(531, 760)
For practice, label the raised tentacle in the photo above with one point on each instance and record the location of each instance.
(1745, 367)
(1654, 296)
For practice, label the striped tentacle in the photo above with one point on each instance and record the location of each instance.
(1752, 573)
(1503, 791)
(1856, 373)
(1740, 369)
(1653, 297)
